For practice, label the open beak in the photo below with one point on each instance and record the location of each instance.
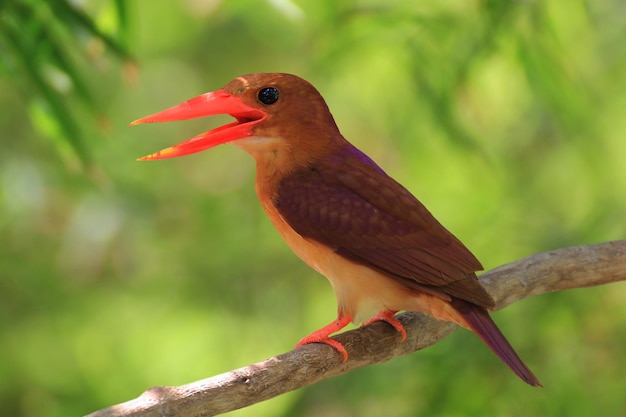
(209, 104)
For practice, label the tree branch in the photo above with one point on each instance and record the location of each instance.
(561, 269)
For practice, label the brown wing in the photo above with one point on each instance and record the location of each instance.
(351, 205)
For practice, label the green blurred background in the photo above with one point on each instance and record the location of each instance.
(506, 118)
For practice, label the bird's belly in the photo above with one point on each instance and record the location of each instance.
(361, 292)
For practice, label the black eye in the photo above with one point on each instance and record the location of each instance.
(268, 95)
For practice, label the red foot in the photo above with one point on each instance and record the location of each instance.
(322, 336)
(387, 316)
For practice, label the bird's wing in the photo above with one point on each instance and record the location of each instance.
(366, 216)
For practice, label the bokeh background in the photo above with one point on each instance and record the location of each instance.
(506, 118)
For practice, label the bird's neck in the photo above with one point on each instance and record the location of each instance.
(272, 156)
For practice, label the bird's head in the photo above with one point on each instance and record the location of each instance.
(275, 114)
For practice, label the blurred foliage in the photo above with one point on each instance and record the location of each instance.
(505, 118)
(45, 46)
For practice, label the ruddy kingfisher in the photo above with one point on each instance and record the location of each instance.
(379, 247)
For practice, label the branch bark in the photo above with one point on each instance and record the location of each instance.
(561, 269)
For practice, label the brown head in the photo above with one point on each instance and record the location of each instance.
(276, 114)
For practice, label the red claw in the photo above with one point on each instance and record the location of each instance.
(323, 336)
(388, 316)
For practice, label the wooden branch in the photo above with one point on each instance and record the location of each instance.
(575, 267)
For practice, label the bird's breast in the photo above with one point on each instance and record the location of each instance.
(314, 254)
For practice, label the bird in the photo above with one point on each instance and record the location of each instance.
(379, 247)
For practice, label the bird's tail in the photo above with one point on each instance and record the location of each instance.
(479, 321)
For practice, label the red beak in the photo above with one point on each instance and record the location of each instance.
(209, 104)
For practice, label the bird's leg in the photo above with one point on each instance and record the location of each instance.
(322, 335)
(388, 316)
